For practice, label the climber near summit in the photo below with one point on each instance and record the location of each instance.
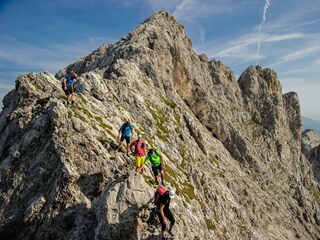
(68, 87)
(139, 152)
(163, 211)
(157, 164)
(125, 133)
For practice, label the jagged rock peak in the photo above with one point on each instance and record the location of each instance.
(160, 22)
(256, 81)
(160, 27)
(158, 33)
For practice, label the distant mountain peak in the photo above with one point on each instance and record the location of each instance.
(309, 123)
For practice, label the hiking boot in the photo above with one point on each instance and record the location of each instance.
(72, 104)
(117, 149)
(171, 233)
(68, 104)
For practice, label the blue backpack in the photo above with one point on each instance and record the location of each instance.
(62, 82)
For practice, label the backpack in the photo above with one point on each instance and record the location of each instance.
(139, 147)
(62, 82)
(160, 191)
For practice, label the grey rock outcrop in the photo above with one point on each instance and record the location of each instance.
(232, 148)
(311, 149)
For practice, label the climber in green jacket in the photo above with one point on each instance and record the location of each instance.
(157, 164)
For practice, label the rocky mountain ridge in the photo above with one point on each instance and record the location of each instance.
(232, 147)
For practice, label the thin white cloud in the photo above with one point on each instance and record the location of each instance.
(282, 37)
(202, 35)
(300, 71)
(52, 57)
(250, 39)
(234, 48)
(301, 25)
(36, 57)
(189, 10)
(295, 17)
(183, 7)
(301, 53)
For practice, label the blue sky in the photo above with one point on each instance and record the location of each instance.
(39, 35)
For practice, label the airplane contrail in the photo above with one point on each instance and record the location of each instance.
(265, 9)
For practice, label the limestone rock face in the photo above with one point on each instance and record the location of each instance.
(232, 148)
(311, 149)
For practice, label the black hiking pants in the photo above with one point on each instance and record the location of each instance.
(168, 214)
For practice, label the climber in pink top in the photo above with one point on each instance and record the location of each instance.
(139, 152)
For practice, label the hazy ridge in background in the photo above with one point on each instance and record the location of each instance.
(309, 123)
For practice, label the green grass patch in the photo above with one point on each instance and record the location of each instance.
(168, 102)
(80, 116)
(163, 137)
(83, 100)
(101, 139)
(203, 181)
(182, 165)
(213, 160)
(114, 136)
(69, 113)
(184, 189)
(225, 234)
(149, 140)
(145, 79)
(183, 152)
(149, 180)
(315, 193)
(161, 120)
(178, 122)
(86, 112)
(102, 124)
(210, 225)
(62, 98)
(188, 191)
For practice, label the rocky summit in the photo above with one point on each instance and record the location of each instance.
(233, 149)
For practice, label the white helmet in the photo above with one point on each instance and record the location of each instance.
(172, 193)
(139, 135)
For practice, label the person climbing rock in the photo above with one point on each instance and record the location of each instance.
(162, 201)
(68, 87)
(157, 164)
(139, 152)
(125, 133)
